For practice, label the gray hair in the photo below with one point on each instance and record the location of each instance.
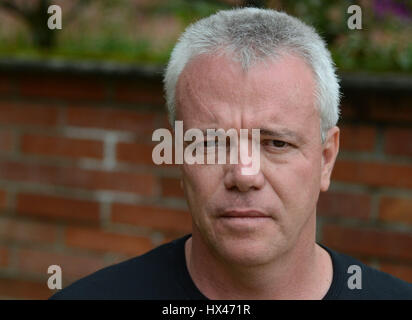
(250, 35)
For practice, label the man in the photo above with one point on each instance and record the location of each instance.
(254, 236)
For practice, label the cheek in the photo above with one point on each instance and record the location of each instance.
(296, 183)
(200, 182)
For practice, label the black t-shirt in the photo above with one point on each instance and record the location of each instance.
(161, 274)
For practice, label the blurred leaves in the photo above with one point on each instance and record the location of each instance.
(144, 31)
(187, 11)
(383, 44)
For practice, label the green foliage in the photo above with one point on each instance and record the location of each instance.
(382, 45)
(189, 11)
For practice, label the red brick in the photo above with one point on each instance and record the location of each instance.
(398, 141)
(78, 178)
(4, 256)
(61, 146)
(348, 110)
(62, 88)
(377, 108)
(403, 272)
(170, 236)
(3, 199)
(6, 140)
(136, 121)
(140, 93)
(94, 239)
(23, 289)
(73, 266)
(171, 187)
(138, 153)
(373, 173)
(152, 217)
(338, 204)
(164, 121)
(357, 138)
(369, 242)
(27, 114)
(5, 85)
(388, 111)
(26, 231)
(396, 209)
(57, 207)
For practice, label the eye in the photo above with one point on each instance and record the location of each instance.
(276, 143)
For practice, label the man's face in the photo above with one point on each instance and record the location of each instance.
(276, 97)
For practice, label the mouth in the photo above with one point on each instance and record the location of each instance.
(244, 213)
(244, 220)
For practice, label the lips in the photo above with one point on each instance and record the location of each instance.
(242, 213)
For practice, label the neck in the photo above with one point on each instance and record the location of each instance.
(304, 271)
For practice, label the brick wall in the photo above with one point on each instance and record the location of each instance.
(368, 211)
(78, 187)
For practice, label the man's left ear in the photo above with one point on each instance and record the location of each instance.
(330, 149)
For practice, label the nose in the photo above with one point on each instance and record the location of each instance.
(235, 179)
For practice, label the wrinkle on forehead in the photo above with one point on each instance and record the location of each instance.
(191, 97)
(200, 95)
(215, 89)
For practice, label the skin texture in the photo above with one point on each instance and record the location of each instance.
(272, 257)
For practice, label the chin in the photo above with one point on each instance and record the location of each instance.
(248, 252)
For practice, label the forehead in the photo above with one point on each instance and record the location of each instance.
(215, 91)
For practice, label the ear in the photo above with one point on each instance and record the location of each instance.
(330, 149)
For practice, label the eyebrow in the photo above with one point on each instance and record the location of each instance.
(278, 133)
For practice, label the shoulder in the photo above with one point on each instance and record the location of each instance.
(385, 286)
(148, 276)
(359, 281)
